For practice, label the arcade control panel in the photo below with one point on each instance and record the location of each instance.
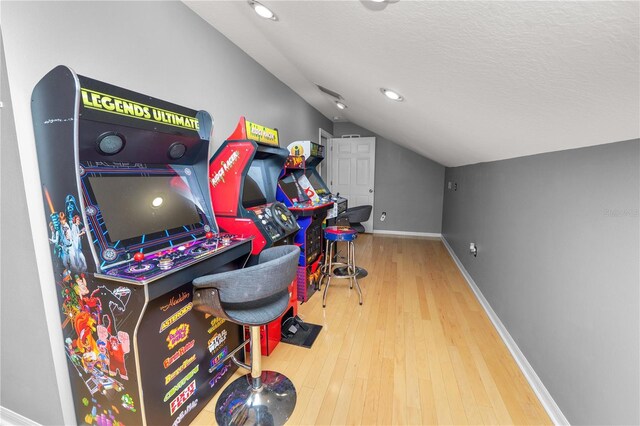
(339, 205)
(276, 219)
(309, 208)
(145, 268)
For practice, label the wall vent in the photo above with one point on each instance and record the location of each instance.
(329, 92)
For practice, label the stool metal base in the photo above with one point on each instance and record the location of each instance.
(350, 270)
(271, 404)
(343, 272)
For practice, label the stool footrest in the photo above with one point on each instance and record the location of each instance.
(343, 273)
(349, 269)
(233, 358)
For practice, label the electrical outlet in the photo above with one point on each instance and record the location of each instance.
(449, 185)
(383, 216)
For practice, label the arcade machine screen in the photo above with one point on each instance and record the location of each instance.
(252, 195)
(143, 205)
(321, 190)
(292, 189)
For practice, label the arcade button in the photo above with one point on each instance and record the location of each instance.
(165, 263)
(139, 268)
(210, 241)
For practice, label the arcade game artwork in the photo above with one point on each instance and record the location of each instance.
(130, 223)
(296, 192)
(243, 177)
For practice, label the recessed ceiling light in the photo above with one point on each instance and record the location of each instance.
(340, 105)
(394, 96)
(378, 1)
(262, 10)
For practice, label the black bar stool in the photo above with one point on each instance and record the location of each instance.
(252, 297)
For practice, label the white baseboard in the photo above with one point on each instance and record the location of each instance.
(407, 233)
(538, 387)
(11, 418)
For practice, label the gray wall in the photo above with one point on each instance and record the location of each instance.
(558, 240)
(408, 186)
(159, 48)
(26, 375)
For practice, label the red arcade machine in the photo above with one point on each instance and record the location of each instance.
(295, 191)
(124, 180)
(243, 176)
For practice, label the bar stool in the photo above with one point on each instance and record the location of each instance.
(332, 236)
(252, 297)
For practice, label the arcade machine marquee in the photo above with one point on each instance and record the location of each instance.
(125, 184)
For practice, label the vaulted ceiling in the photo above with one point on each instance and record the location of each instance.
(482, 80)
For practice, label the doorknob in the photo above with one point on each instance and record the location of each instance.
(370, 191)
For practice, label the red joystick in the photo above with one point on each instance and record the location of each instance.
(138, 257)
(209, 235)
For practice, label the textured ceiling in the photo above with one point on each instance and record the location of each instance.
(482, 80)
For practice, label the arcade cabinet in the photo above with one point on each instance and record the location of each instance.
(314, 155)
(124, 178)
(296, 192)
(243, 176)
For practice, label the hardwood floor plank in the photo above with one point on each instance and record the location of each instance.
(331, 394)
(356, 405)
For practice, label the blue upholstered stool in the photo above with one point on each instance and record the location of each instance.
(333, 235)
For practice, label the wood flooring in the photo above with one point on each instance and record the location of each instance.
(419, 351)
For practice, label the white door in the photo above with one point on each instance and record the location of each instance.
(352, 171)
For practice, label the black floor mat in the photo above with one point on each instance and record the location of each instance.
(304, 338)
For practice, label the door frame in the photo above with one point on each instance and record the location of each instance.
(327, 153)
